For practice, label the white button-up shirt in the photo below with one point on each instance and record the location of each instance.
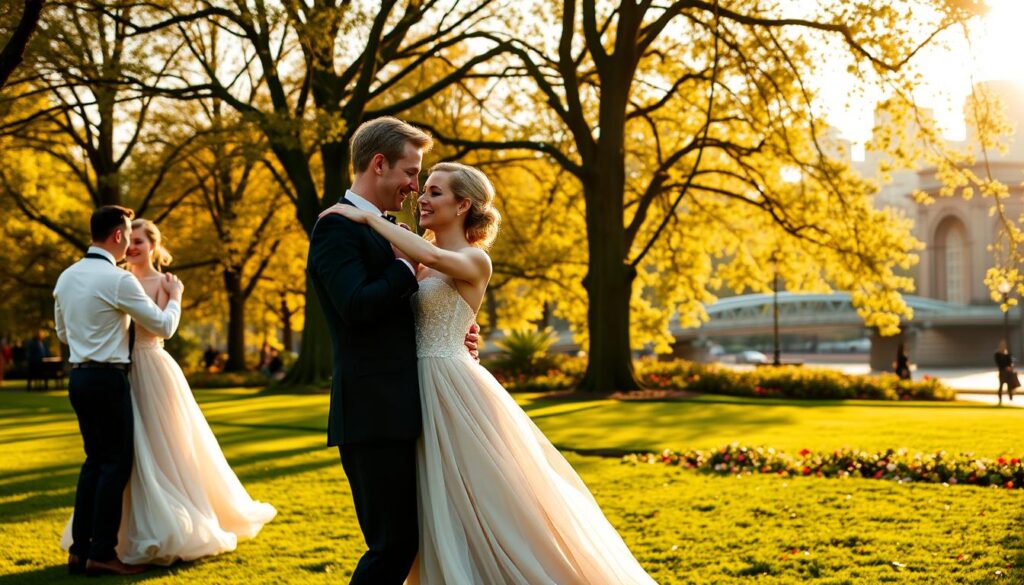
(365, 205)
(93, 301)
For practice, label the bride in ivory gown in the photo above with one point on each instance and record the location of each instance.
(183, 500)
(498, 503)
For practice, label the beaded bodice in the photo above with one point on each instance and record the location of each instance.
(442, 319)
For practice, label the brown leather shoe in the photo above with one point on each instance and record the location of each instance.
(76, 565)
(112, 567)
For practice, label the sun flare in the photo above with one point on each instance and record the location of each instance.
(999, 42)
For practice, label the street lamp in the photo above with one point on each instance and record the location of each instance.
(777, 359)
(1004, 289)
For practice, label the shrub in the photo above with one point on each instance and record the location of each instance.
(564, 372)
(247, 379)
(525, 351)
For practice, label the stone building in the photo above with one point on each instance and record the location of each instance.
(957, 233)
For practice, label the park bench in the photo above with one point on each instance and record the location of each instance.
(51, 368)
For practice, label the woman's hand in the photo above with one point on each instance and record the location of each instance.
(350, 211)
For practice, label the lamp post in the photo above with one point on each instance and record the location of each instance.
(777, 359)
(1004, 289)
(791, 175)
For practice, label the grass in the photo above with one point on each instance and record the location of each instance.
(684, 527)
(789, 425)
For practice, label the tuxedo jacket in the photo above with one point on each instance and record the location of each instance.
(365, 292)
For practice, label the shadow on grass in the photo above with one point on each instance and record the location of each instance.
(40, 480)
(29, 438)
(276, 427)
(560, 412)
(751, 401)
(59, 574)
(288, 470)
(36, 505)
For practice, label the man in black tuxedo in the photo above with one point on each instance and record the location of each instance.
(364, 286)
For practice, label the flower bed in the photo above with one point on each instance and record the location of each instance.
(898, 465)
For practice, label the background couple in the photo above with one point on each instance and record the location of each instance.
(140, 424)
(452, 482)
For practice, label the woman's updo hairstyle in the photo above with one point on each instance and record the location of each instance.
(161, 257)
(469, 183)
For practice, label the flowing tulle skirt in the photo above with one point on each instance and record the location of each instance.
(183, 500)
(498, 503)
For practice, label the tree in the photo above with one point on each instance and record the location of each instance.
(677, 117)
(31, 258)
(316, 83)
(236, 194)
(80, 113)
(14, 49)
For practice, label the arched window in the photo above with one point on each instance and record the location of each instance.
(951, 260)
(955, 244)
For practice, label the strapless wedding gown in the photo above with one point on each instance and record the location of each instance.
(183, 500)
(498, 503)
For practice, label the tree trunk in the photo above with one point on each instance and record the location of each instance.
(104, 161)
(609, 285)
(609, 280)
(314, 364)
(287, 335)
(14, 50)
(236, 322)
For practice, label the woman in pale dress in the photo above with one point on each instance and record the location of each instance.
(183, 500)
(498, 503)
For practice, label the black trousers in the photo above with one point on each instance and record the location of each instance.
(103, 403)
(383, 481)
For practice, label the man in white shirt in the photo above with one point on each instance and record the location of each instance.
(94, 302)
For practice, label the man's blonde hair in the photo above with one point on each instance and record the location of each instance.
(387, 136)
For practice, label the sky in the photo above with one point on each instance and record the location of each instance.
(996, 52)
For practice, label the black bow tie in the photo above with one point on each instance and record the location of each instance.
(388, 217)
(96, 256)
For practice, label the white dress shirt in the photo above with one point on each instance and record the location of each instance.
(365, 205)
(93, 301)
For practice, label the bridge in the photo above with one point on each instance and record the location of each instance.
(940, 334)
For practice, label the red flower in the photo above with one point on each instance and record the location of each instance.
(807, 470)
(1001, 461)
(1008, 485)
(805, 452)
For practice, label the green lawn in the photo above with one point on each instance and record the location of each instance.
(684, 527)
(789, 425)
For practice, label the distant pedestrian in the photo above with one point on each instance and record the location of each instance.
(210, 357)
(18, 356)
(1007, 375)
(275, 367)
(902, 364)
(5, 358)
(35, 352)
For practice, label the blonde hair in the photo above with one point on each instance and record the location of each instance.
(161, 257)
(470, 183)
(387, 136)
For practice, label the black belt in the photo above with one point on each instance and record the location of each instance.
(101, 366)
